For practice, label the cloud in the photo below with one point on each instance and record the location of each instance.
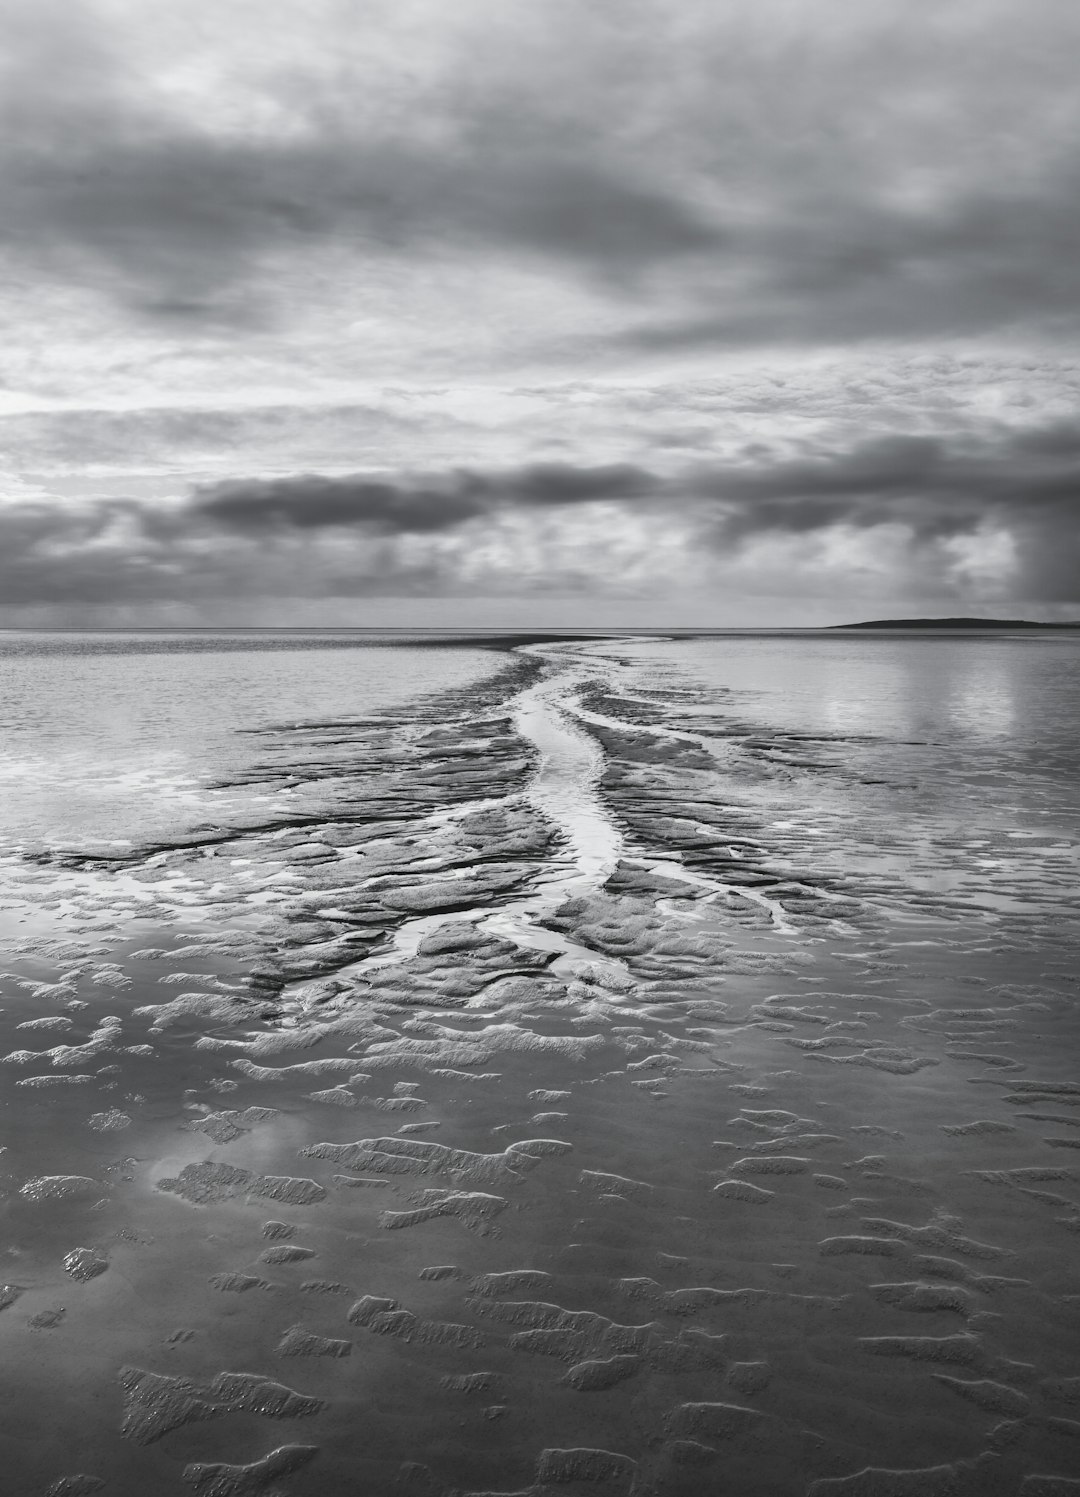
(1001, 507)
(401, 507)
(112, 189)
(313, 503)
(187, 229)
(852, 267)
(728, 183)
(934, 486)
(83, 441)
(538, 299)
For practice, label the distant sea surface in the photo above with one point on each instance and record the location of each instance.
(106, 736)
(110, 737)
(955, 759)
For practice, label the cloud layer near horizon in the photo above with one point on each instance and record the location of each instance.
(573, 299)
(1001, 514)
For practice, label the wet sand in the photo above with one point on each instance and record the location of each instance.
(532, 1110)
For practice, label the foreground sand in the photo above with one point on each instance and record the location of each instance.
(530, 1114)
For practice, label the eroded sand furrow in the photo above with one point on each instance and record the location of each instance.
(563, 791)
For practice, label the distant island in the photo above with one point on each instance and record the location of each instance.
(957, 624)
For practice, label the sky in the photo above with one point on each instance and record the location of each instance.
(538, 312)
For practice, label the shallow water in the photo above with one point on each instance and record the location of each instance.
(108, 736)
(630, 1066)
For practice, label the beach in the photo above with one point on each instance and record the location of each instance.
(626, 1069)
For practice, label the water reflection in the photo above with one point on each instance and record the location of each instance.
(107, 736)
(985, 700)
(895, 688)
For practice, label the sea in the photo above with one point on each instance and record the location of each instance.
(562, 1064)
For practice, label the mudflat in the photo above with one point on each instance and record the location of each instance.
(568, 1084)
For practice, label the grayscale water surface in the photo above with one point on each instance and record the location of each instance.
(104, 736)
(617, 1067)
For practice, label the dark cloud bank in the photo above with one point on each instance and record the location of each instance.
(312, 534)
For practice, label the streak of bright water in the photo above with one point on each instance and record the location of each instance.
(564, 787)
